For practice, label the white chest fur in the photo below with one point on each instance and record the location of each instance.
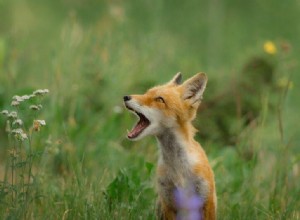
(177, 165)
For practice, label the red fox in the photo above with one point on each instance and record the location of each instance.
(167, 112)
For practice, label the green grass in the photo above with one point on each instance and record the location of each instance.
(91, 53)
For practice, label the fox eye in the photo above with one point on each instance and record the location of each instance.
(160, 99)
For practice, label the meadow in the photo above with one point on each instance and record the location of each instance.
(64, 152)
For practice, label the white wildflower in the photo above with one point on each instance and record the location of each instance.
(37, 124)
(18, 122)
(34, 107)
(17, 131)
(40, 92)
(41, 122)
(19, 134)
(25, 97)
(23, 136)
(17, 98)
(13, 114)
(15, 103)
(4, 112)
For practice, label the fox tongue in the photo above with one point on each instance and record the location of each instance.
(139, 127)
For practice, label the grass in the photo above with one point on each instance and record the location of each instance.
(91, 54)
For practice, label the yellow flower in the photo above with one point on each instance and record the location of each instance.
(270, 48)
(284, 82)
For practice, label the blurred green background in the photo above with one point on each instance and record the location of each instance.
(89, 53)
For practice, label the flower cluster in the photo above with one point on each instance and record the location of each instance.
(17, 100)
(19, 134)
(40, 92)
(15, 125)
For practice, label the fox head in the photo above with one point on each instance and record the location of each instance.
(170, 106)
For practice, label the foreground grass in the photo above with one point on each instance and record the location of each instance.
(89, 56)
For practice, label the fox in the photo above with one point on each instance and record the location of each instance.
(166, 112)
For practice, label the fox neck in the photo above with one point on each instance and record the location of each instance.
(173, 145)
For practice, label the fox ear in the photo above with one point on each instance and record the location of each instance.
(176, 80)
(194, 87)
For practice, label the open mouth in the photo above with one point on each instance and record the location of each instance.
(141, 125)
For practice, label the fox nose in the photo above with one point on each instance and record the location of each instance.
(126, 98)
